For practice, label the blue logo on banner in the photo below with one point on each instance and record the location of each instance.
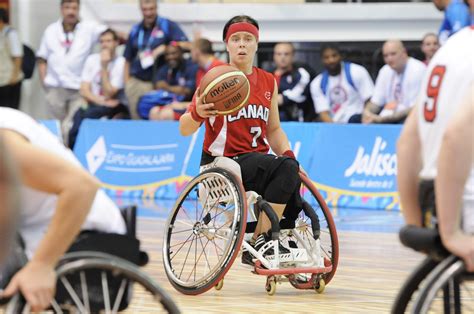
(353, 165)
(134, 155)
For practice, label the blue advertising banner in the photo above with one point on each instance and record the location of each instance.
(352, 165)
(137, 158)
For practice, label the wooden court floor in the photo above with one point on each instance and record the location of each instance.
(372, 267)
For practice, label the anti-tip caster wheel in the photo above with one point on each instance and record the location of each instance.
(271, 287)
(320, 286)
(219, 285)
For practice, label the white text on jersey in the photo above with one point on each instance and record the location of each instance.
(250, 111)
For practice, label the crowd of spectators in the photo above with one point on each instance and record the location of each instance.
(161, 68)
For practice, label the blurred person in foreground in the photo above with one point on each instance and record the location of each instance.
(58, 200)
(435, 152)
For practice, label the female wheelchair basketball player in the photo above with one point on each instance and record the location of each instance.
(241, 142)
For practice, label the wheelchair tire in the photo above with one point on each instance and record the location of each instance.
(214, 215)
(412, 285)
(448, 289)
(78, 264)
(328, 234)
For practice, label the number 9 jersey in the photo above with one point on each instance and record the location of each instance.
(448, 79)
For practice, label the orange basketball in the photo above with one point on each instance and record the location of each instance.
(225, 86)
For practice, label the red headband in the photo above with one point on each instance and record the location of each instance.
(241, 27)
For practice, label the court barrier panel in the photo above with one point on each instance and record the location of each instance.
(354, 166)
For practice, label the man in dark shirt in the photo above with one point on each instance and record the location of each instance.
(178, 79)
(144, 51)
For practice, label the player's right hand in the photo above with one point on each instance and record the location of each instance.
(204, 110)
(37, 283)
(462, 245)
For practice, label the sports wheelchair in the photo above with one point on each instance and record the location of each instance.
(100, 274)
(440, 284)
(207, 227)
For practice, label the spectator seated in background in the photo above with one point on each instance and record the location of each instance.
(203, 55)
(11, 54)
(175, 82)
(102, 85)
(456, 16)
(429, 46)
(293, 82)
(397, 86)
(144, 51)
(340, 92)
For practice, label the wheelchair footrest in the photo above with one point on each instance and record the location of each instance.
(260, 270)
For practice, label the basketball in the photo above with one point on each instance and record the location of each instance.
(227, 87)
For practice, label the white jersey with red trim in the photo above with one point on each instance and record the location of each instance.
(244, 131)
(449, 75)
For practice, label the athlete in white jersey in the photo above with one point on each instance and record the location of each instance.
(58, 198)
(447, 93)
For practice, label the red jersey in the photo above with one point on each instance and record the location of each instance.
(200, 72)
(245, 130)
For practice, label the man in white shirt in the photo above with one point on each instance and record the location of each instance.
(63, 50)
(102, 84)
(340, 92)
(397, 86)
(58, 199)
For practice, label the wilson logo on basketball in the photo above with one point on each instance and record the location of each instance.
(224, 86)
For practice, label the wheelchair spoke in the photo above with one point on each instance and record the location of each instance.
(73, 294)
(56, 307)
(217, 247)
(196, 262)
(85, 293)
(119, 297)
(184, 211)
(187, 224)
(218, 214)
(204, 251)
(181, 231)
(183, 243)
(105, 292)
(186, 259)
(203, 204)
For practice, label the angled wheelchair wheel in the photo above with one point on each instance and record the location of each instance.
(407, 293)
(328, 241)
(448, 289)
(91, 282)
(204, 231)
